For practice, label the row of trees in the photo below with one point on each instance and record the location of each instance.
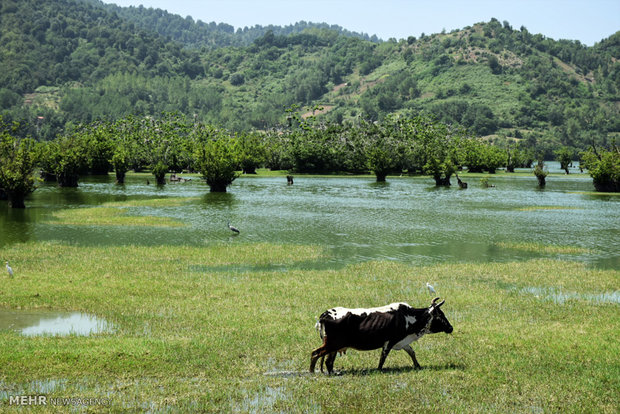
(172, 143)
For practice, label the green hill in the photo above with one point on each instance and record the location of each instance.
(69, 61)
(198, 34)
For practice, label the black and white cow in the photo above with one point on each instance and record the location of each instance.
(388, 327)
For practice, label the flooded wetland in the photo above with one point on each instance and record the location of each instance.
(356, 219)
(143, 297)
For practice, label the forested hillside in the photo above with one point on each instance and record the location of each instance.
(199, 34)
(67, 62)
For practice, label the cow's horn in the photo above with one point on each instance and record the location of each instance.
(434, 300)
(440, 303)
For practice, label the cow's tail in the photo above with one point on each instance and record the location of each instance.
(320, 327)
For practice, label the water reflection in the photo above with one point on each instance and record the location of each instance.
(33, 323)
(16, 226)
(227, 200)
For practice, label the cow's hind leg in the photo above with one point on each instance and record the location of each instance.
(329, 362)
(316, 354)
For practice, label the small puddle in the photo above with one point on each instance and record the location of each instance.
(560, 297)
(287, 374)
(40, 322)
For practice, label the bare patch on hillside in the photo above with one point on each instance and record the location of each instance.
(322, 110)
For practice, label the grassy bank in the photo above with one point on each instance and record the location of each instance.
(230, 328)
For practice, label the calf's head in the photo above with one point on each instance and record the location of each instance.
(439, 322)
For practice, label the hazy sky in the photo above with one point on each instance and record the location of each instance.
(588, 21)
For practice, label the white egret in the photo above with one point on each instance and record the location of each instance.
(8, 269)
(431, 289)
(233, 228)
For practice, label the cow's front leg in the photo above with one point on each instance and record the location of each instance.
(384, 354)
(412, 355)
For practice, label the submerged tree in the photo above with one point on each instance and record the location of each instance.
(604, 168)
(121, 161)
(383, 150)
(217, 157)
(565, 156)
(99, 147)
(252, 152)
(440, 151)
(67, 158)
(540, 174)
(18, 160)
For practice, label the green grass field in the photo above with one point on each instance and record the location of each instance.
(222, 329)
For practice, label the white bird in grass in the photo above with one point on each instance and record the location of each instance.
(8, 269)
(431, 289)
(233, 228)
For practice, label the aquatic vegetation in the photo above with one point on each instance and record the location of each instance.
(153, 202)
(109, 216)
(544, 248)
(543, 208)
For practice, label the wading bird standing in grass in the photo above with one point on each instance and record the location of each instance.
(233, 228)
(431, 289)
(8, 269)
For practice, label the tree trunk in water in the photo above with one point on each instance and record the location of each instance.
(609, 186)
(442, 181)
(120, 177)
(541, 181)
(381, 177)
(161, 180)
(69, 180)
(218, 188)
(16, 200)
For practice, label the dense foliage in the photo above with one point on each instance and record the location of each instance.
(68, 62)
(172, 143)
(18, 159)
(604, 167)
(198, 34)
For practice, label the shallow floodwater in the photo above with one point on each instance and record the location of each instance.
(42, 322)
(406, 219)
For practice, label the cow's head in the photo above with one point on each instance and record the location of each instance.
(439, 322)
